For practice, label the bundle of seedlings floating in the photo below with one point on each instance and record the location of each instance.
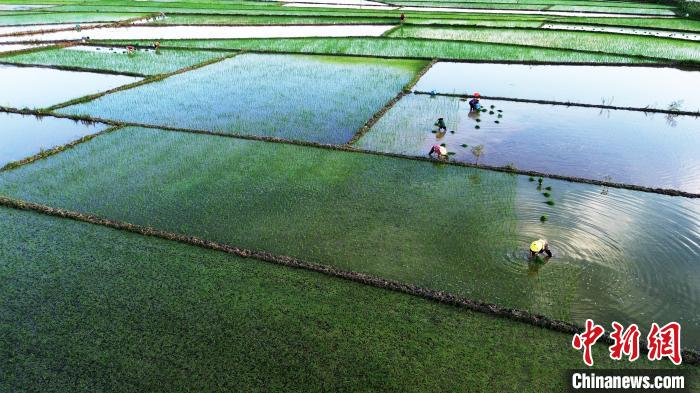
(452, 132)
(464, 145)
(493, 106)
(548, 188)
(531, 178)
(490, 112)
(500, 115)
(477, 126)
(496, 121)
(546, 194)
(478, 120)
(550, 202)
(543, 218)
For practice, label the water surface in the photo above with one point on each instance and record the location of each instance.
(619, 86)
(23, 136)
(654, 150)
(36, 87)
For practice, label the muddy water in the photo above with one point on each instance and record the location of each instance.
(24, 136)
(637, 87)
(653, 150)
(206, 32)
(35, 87)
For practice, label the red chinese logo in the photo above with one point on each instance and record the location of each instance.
(665, 342)
(587, 339)
(626, 342)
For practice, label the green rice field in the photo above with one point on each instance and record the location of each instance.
(259, 196)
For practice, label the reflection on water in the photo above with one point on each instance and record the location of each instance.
(681, 35)
(607, 85)
(24, 136)
(35, 87)
(625, 256)
(654, 150)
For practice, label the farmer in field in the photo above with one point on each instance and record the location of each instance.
(540, 246)
(440, 124)
(402, 18)
(474, 104)
(439, 150)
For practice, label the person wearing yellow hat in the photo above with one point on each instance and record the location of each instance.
(540, 246)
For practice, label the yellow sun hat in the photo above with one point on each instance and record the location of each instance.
(536, 246)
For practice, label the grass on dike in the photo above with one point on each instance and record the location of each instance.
(141, 62)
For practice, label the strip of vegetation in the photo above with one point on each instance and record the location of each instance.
(139, 63)
(404, 48)
(620, 44)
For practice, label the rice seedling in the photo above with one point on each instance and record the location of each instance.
(295, 97)
(478, 120)
(316, 204)
(128, 269)
(548, 188)
(477, 152)
(477, 127)
(550, 202)
(148, 62)
(496, 121)
(464, 145)
(531, 179)
(603, 42)
(546, 194)
(60, 17)
(543, 218)
(396, 47)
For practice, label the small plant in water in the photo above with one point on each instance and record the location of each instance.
(464, 145)
(540, 180)
(543, 218)
(550, 202)
(497, 122)
(442, 144)
(531, 178)
(451, 153)
(548, 188)
(478, 120)
(546, 194)
(493, 106)
(477, 126)
(477, 151)
(490, 112)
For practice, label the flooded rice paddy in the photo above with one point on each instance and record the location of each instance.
(35, 87)
(627, 30)
(653, 150)
(607, 85)
(206, 32)
(619, 255)
(310, 98)
(24, 136)
(8, 30)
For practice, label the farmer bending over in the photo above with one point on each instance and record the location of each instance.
(441, 124)
(474, 104)
(439, 150)
(539, 246)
